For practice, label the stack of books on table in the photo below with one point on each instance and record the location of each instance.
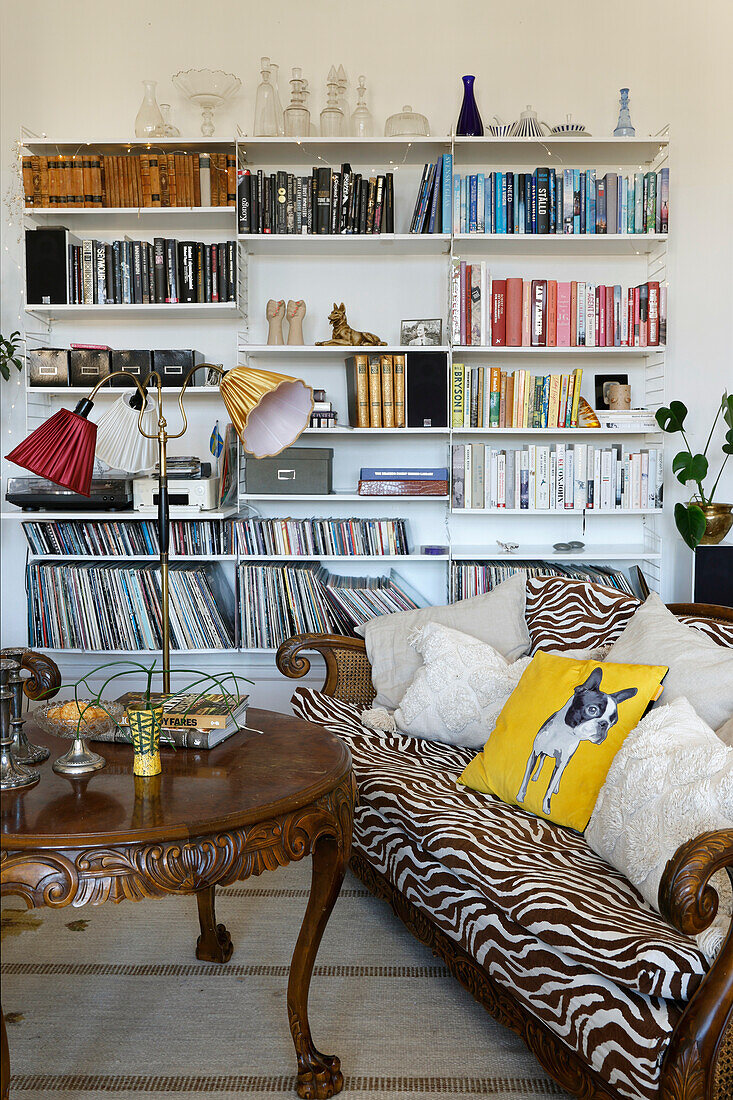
(190, 721)
(403, 482)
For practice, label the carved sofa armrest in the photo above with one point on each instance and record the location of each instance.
(45, 678)
(348, 671)
(698, 1064)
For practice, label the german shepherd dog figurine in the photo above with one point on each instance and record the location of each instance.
(588, 715)
(343, 333)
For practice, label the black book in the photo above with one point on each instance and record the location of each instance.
(117, 253)
(521, 185)
(171, 270)
(214, 264)
(347, 182)
(335, 211)
(159, 278)
(109, 271)
(272, 202)
(353, 212)
(151, 272)
(137, 272)
(323, 200)
(281, 204)
(509, 202)
(127, 298)
(207, 274)
(363, 204)
(388, 224)
(379, 205)
(100, 281)
(200, 267)
(187, 253)
(418, 197)
(244, 206)
(221, 255)
(231, 271)
(290, 206)
(542, 177)
(256, 201)
(145, 272)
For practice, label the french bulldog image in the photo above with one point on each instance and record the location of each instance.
(588, 715)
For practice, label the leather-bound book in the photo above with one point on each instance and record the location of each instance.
(172, 180)
(375, 391)
(231, 163)
(357, 390)
(165, 195)
(147, 197)
(398, 384)
(196, 171)
(388, 409)
(155, 199)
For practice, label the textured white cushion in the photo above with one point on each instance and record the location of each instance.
(699, 669)
(496, 617)
(457, 694)
(671, 780)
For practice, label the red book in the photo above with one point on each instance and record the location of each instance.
(573, 314)
(630, 317)
(498, 313)
(552, 313)
(637, 322)
(653, 329)
(609, 317)
(539, 313)
(601, 341)
(462, 301)
(597, 316)
(514, 313)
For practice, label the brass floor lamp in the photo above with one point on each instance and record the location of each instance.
(269, 412)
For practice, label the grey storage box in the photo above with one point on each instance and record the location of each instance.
(88, 366)
(173, 366)
(48, 367)
(305, 471)
(139, 363)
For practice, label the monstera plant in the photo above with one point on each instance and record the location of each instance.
(701, 520)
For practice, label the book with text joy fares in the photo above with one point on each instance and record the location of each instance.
(190, 721)
(357, 390)
(375, 391)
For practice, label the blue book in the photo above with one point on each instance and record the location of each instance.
(437, 192)
(411, 473)
(582, 201)
(447, 192)
(457, 204)
(488, 192)
(480, 203)
(498, 199)
(545, 401)
(464, 205)
(590, 200)
(472, 202)
(553, 222)
(576, 200)
(533, 202)
(516, 202)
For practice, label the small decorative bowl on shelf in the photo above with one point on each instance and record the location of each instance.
(78, 719)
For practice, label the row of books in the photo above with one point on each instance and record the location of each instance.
(487, 311)
(278, 601)
(473, 578)
(576, 476)
(123, 538)
(488, 397)
(137, 272)
(432, 212)
(375, 391)
(327, 201)
(568, 200)
(114, 606)
(298, 537)
(149, 178)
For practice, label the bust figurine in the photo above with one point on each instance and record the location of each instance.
(275, 314)
(295, 314)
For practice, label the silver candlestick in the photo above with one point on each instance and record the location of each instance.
(12, 775)
(23, 751)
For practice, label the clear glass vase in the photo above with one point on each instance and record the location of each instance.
(361, 119)
(169, 130)
(265, 107)
(297, 116)
(149, 121)
(279, 113)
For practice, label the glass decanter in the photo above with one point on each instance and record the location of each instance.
(149, 120)
(297, 115)
(332, 117)
(623, 126)
(169, 130)
(342, 100)
(279, 114)
(265, 107)
(361, 120)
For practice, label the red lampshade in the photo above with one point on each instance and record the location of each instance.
(62, 450)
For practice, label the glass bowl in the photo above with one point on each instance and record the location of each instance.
(207, 85)
(407, 123)
(47, 717)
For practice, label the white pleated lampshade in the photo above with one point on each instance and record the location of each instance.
(119, 443)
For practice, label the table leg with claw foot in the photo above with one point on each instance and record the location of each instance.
(214, 944)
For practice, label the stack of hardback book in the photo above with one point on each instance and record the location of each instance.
(327, 202)
(190, 721)
(147, 178)
(432, 212)
(570, 200)
(403, 482)
(488, 397)
(375, 390)
(140, 272)
(514, 312)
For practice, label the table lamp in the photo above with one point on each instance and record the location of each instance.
(269, 412)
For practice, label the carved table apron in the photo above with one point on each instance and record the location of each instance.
(124, 853)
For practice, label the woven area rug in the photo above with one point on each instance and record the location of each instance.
(112, 1001)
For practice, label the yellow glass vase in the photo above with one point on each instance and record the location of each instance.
(145, 731)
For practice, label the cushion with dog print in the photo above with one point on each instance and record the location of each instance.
(558, 733)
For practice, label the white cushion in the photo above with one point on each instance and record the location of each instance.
(457, 694)
(496, 617)
(699, 670)
(671, 780)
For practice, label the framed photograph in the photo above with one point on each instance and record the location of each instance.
(421, 333)
(599, 380)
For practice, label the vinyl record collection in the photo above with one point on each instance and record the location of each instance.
(122, 538)
(117, 607)
(299, 537)
(473, 578)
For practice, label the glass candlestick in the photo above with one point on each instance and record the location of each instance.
(623, 126)
(12, 774)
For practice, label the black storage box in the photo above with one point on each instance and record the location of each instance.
(306, 471)
(47, 265)
(173, 366)
(88, 366)
(48, 367)
(426, 376)
(139, 363)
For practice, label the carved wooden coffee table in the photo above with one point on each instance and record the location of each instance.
(253, 803)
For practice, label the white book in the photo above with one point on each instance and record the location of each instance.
(509, 497)
(542, 483)
(589, 468)
(635, 497)
(559, 501)
(553, 478)
(597, 463)
(581, 315)
(467, 475)
(569, 480)
(579, 468)
(658, 477)
(590, 315)
(524, 480)
(617, 468)
(645, 479)
(492, 456)
(487, 281)
(532, 462)
(455, 301)
(517, 479)
(501, 480)
(606, 478)
(467, 396)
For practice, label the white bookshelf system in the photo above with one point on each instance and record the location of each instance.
(382, 279)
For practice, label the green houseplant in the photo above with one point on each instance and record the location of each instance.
(701, 520)
(10, 353)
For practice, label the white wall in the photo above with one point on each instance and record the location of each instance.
(74, 69)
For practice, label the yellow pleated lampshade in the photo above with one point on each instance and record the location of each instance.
(268, 410)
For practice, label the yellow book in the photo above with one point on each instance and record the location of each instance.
(458, 389)
(387, 393)
(554, 404)
(398, 389)
(526, 392)
(375, 391)
(578, 373)
(357, 390)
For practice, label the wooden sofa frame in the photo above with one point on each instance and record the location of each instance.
(698, 1062)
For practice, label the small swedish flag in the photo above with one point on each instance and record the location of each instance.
(216, 443)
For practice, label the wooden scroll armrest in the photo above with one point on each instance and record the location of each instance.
(702, 1042)
(45, 678)
(348, 671)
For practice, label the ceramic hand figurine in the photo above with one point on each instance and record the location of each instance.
(275, 314)
(295, 314)
(343, 333)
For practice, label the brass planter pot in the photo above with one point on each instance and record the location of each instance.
(145, 733)
(718, 522)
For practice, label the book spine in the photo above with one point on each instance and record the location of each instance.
(375, 391)
(399, 368)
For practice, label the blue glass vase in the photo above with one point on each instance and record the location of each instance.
(469, 119)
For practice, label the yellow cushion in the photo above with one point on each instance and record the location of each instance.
(561, 727)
